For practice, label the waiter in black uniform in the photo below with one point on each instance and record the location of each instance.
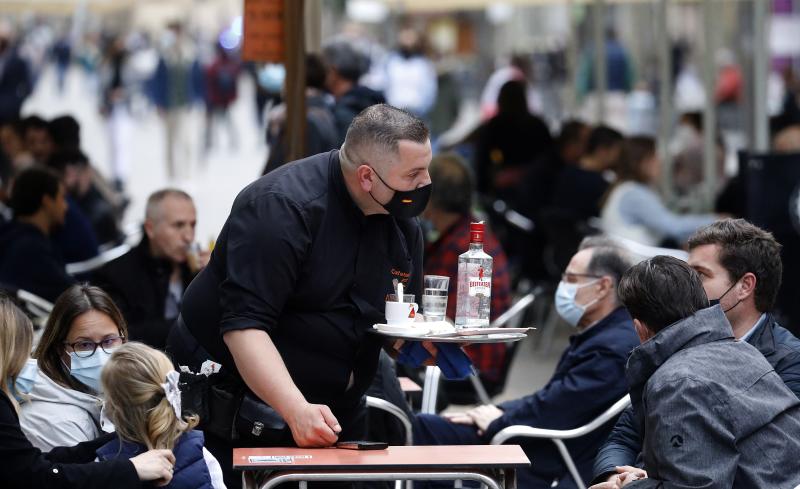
(301, 271)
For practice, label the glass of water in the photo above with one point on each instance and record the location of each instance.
(434, 297)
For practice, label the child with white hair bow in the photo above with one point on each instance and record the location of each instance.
(143, 401)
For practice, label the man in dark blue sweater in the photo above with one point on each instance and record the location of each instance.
(28, 259)
(589, 377)
(740, 268)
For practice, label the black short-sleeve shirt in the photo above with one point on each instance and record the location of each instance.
(298, 259)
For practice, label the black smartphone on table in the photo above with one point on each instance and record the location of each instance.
(362, 445)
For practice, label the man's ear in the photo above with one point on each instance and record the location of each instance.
(148, 226)
(363, 174)
(606, 285)
(748, 287)
(642, 331)
(46, 202)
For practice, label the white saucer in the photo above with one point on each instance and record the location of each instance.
(417, 328)
(440, 327)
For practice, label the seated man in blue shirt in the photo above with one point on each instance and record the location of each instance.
(28, 259)
(740, 267)
(588, 379)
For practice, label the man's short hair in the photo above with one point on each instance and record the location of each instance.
(598, 241)
(379, 128)
(744, 247)
(315, 71)
(35, 122)
(152, 209)
(571, 132)
(452, 184)
(30, 187)
(602, 137)
(608, 261)
(61, 159)
(345, 59)
(66, 132)
(661, 291)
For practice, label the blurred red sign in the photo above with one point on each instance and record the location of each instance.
(264, 31)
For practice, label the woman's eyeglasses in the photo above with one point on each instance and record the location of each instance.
(86, 348)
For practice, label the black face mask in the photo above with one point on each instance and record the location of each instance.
(715, 302)
(405, 204)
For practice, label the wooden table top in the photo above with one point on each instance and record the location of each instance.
(394, 457)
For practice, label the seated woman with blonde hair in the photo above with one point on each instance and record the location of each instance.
(144, 403)
(24, 466)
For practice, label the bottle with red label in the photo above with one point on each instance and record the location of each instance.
(474, 293)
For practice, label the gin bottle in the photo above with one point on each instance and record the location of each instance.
(474, 291)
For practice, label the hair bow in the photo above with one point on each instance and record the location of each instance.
(173, 392)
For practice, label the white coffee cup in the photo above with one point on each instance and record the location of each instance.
(401, 312)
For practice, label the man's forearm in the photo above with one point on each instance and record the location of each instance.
(262, 368)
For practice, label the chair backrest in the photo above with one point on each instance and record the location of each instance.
(517, 308)
(98, 261)
(133, 235)
(397, 412)
(34, 304)
(645, 251)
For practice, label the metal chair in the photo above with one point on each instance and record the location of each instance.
(430, 392)
(384, 405)
(34, 304)
(38, 310)
(98, 261)
(133, 234)
(558, 436)
(502, 321)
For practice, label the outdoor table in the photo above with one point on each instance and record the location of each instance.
(493, 465)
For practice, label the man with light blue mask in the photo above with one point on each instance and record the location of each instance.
(588, 379)
(585, 295)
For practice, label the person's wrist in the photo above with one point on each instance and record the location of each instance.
(293, 409)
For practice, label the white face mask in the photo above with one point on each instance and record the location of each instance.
(566, 306)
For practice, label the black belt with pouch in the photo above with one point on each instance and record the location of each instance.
(228, 410)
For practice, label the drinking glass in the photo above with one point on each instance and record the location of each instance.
(434, 297)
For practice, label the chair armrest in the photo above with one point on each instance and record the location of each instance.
(521, 431)
(383, 405)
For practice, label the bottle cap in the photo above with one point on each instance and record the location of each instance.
(476, 230)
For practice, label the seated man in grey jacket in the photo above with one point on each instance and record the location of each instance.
(740, 267)
(713, 412)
